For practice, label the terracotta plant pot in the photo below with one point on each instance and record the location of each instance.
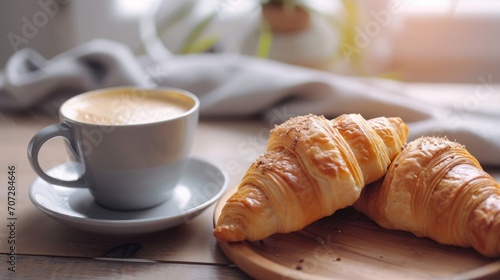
(284, 19)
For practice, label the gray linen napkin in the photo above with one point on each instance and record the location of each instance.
(29, 79)
(230, 85)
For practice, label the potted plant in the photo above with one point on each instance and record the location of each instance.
(290, 31)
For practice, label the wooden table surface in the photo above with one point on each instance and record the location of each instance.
(46, 249)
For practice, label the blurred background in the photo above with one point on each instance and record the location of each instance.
(448, 41)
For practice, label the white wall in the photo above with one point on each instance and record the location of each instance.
(68, 23)
(48, 28)
(439, 45)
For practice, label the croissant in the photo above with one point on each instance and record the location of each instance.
(311, 168)
(435, 188)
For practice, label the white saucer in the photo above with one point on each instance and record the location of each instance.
(202, 185)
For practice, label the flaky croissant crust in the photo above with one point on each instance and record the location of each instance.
(435, 188)
(311, 168)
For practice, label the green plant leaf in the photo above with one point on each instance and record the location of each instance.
(201, 45)
(347, 29)
(192, 40)
(265, 40)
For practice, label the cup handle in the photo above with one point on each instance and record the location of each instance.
(34, 147)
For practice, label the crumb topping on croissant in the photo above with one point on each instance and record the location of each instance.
(311, 168)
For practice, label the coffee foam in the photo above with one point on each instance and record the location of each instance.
(125, 108)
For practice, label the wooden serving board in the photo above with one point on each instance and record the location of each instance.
(348, 245)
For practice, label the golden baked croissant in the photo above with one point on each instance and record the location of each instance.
(434, 188)
(311, 168)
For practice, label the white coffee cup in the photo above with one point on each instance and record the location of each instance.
(131, 145)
